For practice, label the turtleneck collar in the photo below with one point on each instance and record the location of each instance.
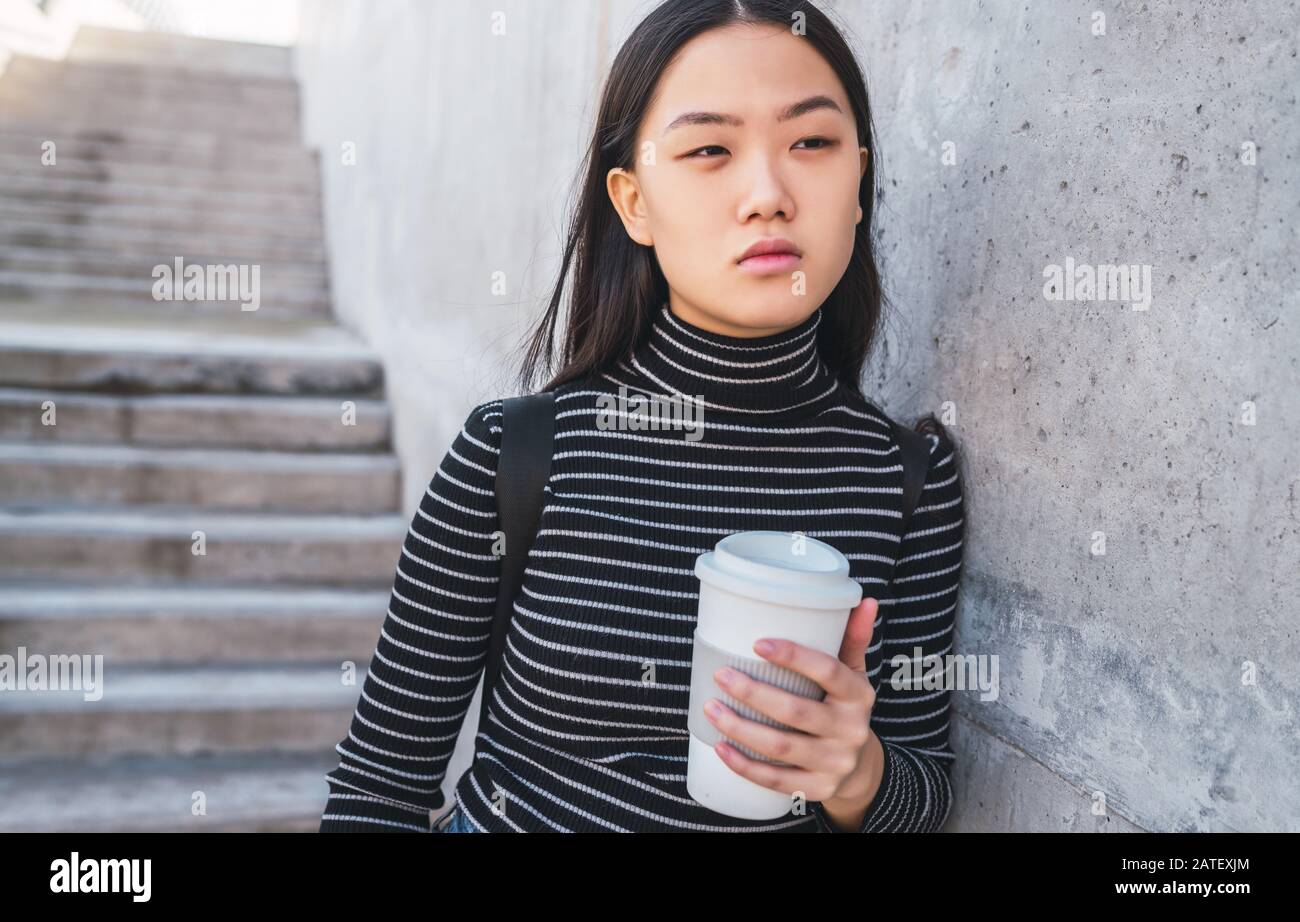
(777, 375)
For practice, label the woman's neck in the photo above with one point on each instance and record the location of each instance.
(693, 317)
(778, 374)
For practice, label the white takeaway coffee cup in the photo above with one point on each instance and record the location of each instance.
(759, 584)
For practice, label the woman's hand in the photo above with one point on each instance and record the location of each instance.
(837, 760)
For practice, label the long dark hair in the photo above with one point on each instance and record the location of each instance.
(617, 284)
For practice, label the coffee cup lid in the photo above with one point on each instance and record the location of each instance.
(775, 567)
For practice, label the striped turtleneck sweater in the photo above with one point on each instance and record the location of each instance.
(576, 739)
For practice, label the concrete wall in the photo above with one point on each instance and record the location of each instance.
(443, 232)
(1131, 475)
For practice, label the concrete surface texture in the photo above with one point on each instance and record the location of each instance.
(1131, 459)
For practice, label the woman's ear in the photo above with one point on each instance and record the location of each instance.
(625, 195)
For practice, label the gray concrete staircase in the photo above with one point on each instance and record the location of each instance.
(163, 146)
(130, 427)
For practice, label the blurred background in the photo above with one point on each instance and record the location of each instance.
(213, 497)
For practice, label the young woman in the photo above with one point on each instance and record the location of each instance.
(721, 252)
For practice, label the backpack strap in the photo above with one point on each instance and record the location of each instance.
(523, 468)
(915, 449)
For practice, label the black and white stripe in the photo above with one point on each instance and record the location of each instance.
(587, 728)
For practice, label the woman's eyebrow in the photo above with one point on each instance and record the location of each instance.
(804, 106)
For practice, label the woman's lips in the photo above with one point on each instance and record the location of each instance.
(770, 263)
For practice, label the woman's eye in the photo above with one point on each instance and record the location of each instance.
(820, 142)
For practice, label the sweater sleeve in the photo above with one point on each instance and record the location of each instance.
(431, 648)
(915, 793)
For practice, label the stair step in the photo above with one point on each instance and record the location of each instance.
(177, 711)
(295, 291)
(52, 187)
(193, 420)
(240, 793)
(125, 294)
(252, 549)
(277, 123)
(127, 80)
(300, 180)
(296, 287)
(194, 625)
(158, 218)
(141, 266)
(127, 240)
(148, 48)
(28, 142)
(199, 140)
(46, 477)
(250, 353)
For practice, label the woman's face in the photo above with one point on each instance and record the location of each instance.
(749, 138)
